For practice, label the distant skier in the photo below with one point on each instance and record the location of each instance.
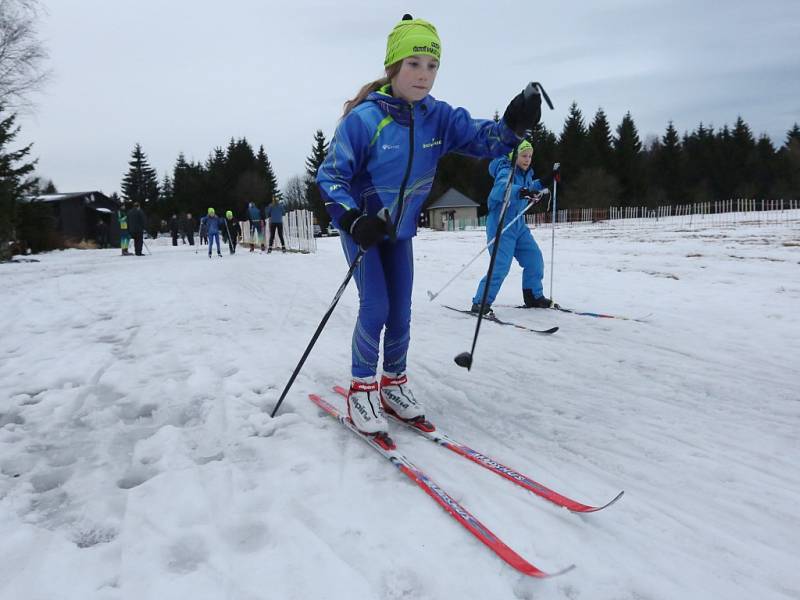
(274, 212)
(189, 228)
(384, 155)
(212, 225)
(254, 216)
(124, 236)
(516, 242)
(174, 229)
(203, 231)
(137, 221)
(232, 230)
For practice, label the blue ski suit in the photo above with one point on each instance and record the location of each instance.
(212, 228)
(382, 146)
(517, 242)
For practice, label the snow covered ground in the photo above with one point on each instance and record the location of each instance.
(138, 461)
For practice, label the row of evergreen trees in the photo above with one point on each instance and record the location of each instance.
(229, 179)
(599, 169)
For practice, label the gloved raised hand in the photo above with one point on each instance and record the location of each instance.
(366, 230)
(533, 195)
(544, 195)
(524, 111)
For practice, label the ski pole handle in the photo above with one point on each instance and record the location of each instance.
(534, 87)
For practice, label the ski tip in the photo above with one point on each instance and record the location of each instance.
(606, 505)
(561, 572)
(550, 331)
(614, 499)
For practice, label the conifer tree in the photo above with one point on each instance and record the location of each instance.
(628, 161)
(544, 144)
(140, 183)
(788, 166)
(313, 197)
(571, 149)
(667, 172)
(266, 171)
(598, 146)
(14, 182)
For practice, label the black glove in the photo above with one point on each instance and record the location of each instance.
(524, 111)
(367, 230)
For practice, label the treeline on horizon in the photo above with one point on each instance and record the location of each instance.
(599, 168)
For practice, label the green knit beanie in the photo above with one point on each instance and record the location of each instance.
(210, 212)
(523, 145)
(409, 37)
(228, 214)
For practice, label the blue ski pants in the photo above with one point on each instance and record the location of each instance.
(523, 247)
(384, 278)
(211, 238)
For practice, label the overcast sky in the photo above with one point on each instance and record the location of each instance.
(186, 76)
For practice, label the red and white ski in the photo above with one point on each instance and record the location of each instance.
(458, 512)
(427, 430)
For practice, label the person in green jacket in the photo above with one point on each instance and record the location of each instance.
(124, 236)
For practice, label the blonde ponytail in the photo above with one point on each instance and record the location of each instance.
(372, 86)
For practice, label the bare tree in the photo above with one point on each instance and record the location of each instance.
(22, 54)
(295, 192)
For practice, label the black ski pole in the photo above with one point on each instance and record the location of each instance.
(230, 239)
(465, 358)
(383, 214)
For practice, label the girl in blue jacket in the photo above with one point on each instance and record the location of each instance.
(384, 155)
(211, 221)
(517, 241)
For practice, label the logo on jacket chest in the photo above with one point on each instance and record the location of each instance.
(390, 147)
(433, 143)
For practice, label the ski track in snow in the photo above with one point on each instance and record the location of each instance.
(138, 459)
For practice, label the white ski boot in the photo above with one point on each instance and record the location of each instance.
(397, 398)
(364, 406)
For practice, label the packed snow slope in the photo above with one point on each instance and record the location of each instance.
(138, 459)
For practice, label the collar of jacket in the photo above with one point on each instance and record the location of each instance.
(397, 108)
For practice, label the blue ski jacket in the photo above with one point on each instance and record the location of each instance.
(212, 224)
(499, 168)
(253, 213)
(385, 144)
(274, 212)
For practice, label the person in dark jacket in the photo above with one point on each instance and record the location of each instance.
(231, 230)
(274, 212)
(101, 233)
(174, 229)
(191, 225)
(136, 225)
